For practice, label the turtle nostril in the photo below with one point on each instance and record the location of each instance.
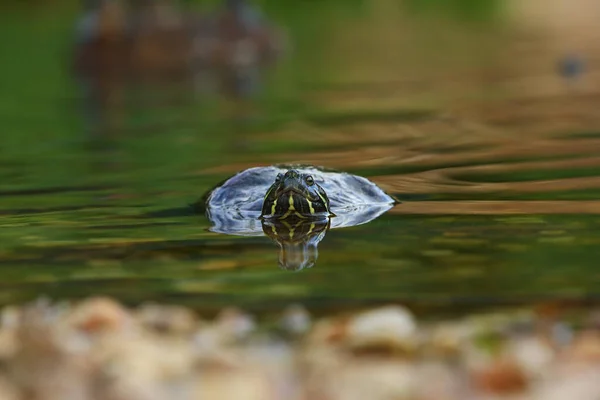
(292, 174)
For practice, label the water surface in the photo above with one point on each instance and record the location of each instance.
(499, 181)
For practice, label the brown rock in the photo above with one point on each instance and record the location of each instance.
(100, 314)
(501, 377)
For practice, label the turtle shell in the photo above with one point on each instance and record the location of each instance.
(235, 205)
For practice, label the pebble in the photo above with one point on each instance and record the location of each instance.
(98, 349)
(391, 327)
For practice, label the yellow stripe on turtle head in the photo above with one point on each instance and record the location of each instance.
(325, 203)
(273, 207)
(290, 208)
(268, 193)
(310, 207)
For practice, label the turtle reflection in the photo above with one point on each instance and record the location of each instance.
(298, 240)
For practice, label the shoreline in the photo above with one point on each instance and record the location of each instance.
(99, 349)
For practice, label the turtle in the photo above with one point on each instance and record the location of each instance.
(294, 205)
(241, 203)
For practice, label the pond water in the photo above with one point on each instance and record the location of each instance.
(498, 172)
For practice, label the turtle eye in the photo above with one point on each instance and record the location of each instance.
(309, 180)
(278, 177)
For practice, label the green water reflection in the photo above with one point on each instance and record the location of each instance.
(80, 217)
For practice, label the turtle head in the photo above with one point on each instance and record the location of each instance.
(295, 195)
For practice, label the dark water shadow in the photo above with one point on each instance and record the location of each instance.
(125, 251)
(54, 190)
(29, 211)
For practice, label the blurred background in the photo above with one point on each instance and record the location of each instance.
(480, 115)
